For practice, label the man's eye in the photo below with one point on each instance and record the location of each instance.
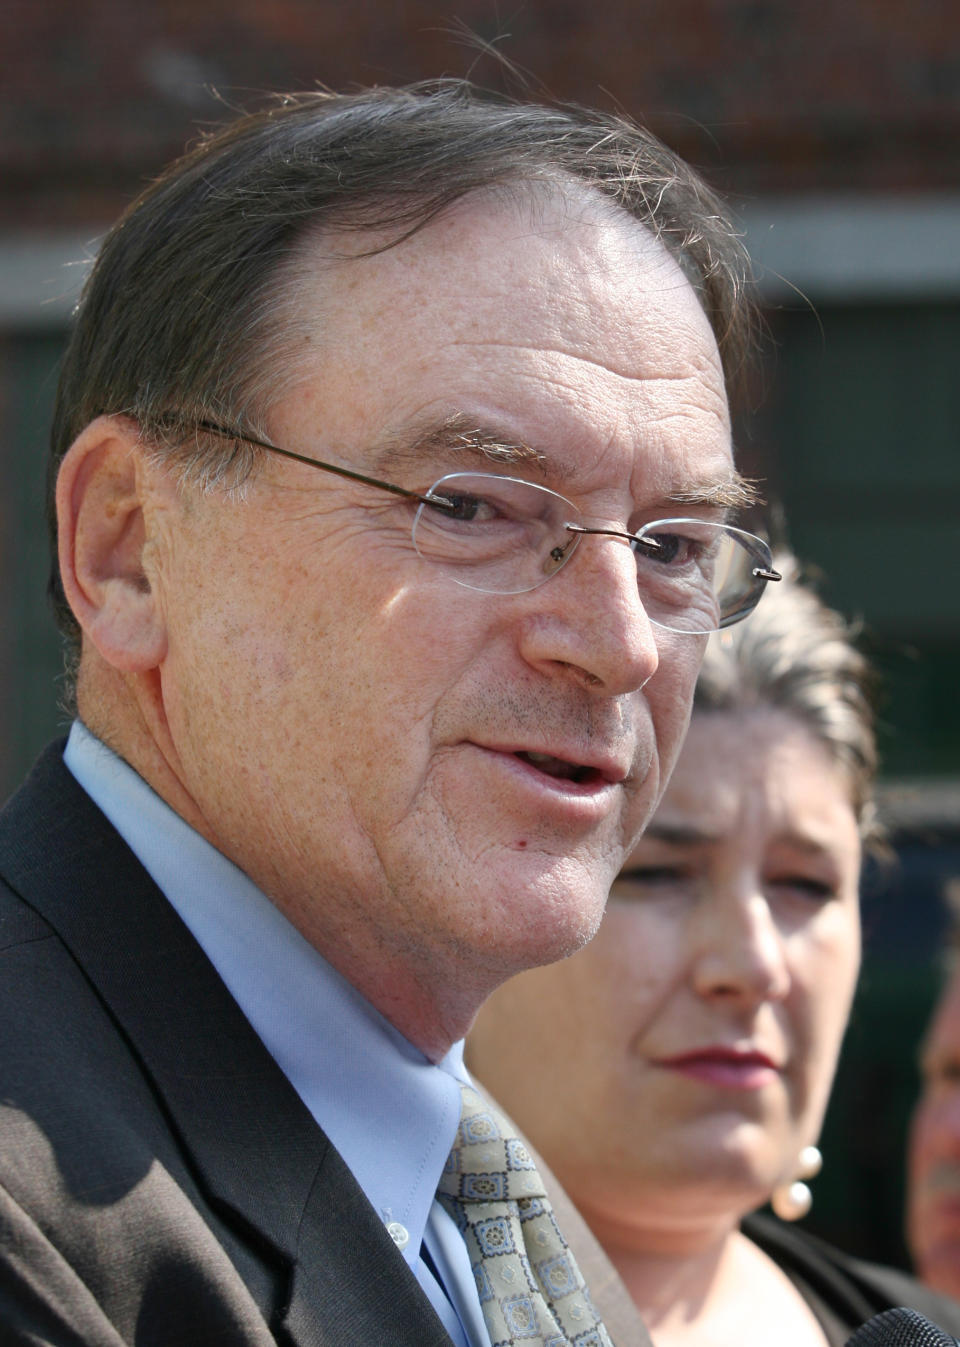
(467, 509)
(670, 549)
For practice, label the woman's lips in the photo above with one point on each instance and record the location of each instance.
(728, 1068)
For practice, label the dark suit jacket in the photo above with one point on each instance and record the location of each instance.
(160, 1181)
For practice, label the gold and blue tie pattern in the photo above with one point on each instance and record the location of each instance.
(530, 1288)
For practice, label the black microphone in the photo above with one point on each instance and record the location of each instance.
(901, 1328)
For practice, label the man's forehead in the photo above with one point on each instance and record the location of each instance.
(496, 228)
(507, 272)
(510, 335)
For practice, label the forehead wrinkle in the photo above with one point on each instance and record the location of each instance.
(626, 375)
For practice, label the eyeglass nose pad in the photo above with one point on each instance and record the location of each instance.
(562, 552)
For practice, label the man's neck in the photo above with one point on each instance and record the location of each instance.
(125, 714)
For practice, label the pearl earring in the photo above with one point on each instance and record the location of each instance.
(793, 1200)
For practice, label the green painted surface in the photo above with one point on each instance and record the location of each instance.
(29, 648)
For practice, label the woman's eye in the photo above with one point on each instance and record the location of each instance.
(820, 890)
(642, 875)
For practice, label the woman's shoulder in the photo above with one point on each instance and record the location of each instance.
(852, 1288)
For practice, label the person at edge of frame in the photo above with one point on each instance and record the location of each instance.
(933, 1190)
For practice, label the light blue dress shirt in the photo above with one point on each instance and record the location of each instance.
(390, 1112)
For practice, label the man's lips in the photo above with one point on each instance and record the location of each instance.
(588, 768)
(729, 1068)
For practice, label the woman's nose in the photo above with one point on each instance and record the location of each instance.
(741, 951)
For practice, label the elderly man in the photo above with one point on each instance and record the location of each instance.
(933, 1210)
(373, 415)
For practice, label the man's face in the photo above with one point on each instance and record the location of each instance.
(351, 724)
(934, 1197)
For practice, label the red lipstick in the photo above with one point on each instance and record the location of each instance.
(724, 1067)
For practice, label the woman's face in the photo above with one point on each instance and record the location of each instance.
(676, 1067)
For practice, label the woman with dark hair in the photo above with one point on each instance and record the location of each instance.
(675, 1073)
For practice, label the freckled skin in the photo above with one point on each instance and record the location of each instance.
(322, 689)
(723, 943)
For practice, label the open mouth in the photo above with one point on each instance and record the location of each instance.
(560, 768)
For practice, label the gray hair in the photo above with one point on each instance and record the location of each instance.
(798, 656)
(186, 316)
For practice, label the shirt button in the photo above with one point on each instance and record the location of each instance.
(399, 1234)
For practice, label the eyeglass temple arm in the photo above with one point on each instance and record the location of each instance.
(224, 433)
(558, 553)
(615, 533)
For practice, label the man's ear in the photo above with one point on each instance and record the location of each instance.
(101, 536)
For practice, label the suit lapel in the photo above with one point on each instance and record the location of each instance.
(377, 1308)
(258, 1151)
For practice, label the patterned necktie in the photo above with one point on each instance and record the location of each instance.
(530, 1288)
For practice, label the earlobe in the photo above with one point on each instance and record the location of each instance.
(102, 535)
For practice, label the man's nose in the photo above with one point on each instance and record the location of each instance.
(740, 950)
(588, 621)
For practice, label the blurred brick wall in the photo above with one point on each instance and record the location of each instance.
(767, 95)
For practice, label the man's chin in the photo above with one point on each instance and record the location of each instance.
(550, 929)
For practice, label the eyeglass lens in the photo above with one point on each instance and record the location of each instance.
(501, 535)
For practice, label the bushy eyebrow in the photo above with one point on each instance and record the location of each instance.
(458, 437)
(462, 438)
(736, 493)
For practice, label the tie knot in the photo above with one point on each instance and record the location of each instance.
(488, 1162)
